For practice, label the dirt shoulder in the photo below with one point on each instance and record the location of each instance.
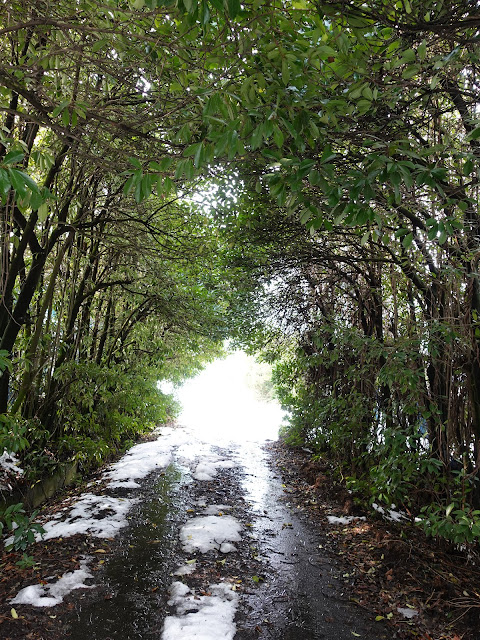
(387, 567)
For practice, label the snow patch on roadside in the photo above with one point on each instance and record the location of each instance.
(99, 516)
(186, 569)
(207, 469)
(208, 617)
(215, 509)
(10, 463)
(210, 532)
(390, 514)
(144, 458)
(49, 595)
(344, 519)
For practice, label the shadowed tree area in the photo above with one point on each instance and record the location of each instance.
(301, 177)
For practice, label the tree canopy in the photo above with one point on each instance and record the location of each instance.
(300, 176)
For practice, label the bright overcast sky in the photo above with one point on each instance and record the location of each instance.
(222, 407)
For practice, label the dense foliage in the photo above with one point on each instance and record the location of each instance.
(374, 311)
(302, 176)
(103, 291)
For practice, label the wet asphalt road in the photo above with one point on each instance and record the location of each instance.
(288, 586)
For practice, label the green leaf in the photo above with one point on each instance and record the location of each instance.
(410, 71)
(13, 157)
(192, 149)
(136, 163)
(58, 110)
(407, 241)
(422, 50)
(4, 182)
(328, 155)
(257, 137)
(363, 106)
(147, 183)
(213, 105)
(278, 136)
(474, 135)
(99, 45)
(37, 198)
(285, 72)
(233, 7)
(199, 155)
(324, 51)
(42, 212)
(305, 216)
(449, 509)
(467, 168)
(138, 193)
(409, 56)
(367, 93)
(17, 181)
(128, 185)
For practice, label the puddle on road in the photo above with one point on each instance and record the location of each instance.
(137, 577)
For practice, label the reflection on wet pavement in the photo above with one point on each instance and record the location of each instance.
(301, 597)
(136, 578)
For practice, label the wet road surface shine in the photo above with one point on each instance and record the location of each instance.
(288, 588)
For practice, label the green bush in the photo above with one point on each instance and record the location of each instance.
(22, 526)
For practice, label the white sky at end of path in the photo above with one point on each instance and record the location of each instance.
(205, 533)
(49, 595)
(201, 617)
(221, 407)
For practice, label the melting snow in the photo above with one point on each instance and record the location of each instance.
(48, 595)
(407, 613)
(200, 617)
(209, 617)
(216, 509)
(186, 569)
(207, 469)
(392, 515)
(344, 519)
(10, 463)
(144, 458)
(99, 516)
(210, 532)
